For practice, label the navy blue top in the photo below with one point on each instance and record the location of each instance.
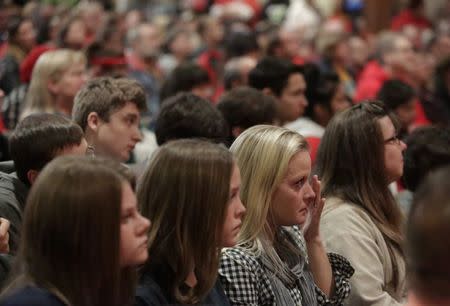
(31, 296)
(151, 292)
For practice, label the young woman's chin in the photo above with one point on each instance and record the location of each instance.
(138, 260)
(230, 242)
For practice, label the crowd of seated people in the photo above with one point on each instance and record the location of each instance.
(223, 153)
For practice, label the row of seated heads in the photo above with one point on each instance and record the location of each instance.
(352, 153)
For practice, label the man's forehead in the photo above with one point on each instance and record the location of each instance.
(128, 108)
(296, 74)
(297, 78)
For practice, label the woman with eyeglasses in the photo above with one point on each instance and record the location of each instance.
(359, 156)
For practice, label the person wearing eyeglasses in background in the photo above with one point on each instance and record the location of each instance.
(359, 156)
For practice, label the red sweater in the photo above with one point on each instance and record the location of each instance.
(370, 81)
(406, 17)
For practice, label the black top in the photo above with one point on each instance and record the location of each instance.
(153, 290)
(32, 296)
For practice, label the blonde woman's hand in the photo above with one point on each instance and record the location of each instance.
(312, 232)
(4, 235)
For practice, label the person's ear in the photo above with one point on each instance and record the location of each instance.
(53, 87)
(322, 114)
(319, 110)
(93, 121)
(267, 91)
(32, 176)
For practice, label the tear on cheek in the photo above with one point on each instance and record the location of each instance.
(304, 227)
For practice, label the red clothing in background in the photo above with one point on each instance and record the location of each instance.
(27, 65)
(370, 81)
(254, 4)
(421, 118)
(3, 49)
(314, 143)
(212, 62)
(406, 17)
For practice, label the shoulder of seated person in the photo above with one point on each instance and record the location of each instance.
(31, 296)
(337, 206)
(10, 183)
(149, 292)
(241, 256)
(345, 214)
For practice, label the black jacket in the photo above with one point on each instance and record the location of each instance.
(151, 290)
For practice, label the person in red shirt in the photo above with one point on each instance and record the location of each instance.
(413, 15)
(395, 55)
(286, 44)
(212, 59)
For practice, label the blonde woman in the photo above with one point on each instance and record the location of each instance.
(191, 191)
(56, 78)
(280, 259)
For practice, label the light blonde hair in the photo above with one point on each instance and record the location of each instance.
(49, 67)
(263, 153)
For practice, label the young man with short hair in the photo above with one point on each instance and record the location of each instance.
(37, 140)
(244, 107)
(109, 112)
(186, 115)
(401, 99)
(285, 82)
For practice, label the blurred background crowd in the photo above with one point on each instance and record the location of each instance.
(398, 51)
(134, 75)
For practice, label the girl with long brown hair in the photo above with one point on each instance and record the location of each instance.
(190, 191)
(82, 237)
(359, 156)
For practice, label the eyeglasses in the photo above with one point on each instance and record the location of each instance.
(393, 140)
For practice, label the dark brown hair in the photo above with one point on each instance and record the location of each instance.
(71, 233)
(428, 250)
(37, 139)
(350, 163)
(185, 191)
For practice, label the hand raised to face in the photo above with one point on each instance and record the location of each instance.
(4, 235)
(312, 230)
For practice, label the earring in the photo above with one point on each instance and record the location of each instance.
(90, 151)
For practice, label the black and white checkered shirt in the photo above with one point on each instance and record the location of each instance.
(246, 280)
